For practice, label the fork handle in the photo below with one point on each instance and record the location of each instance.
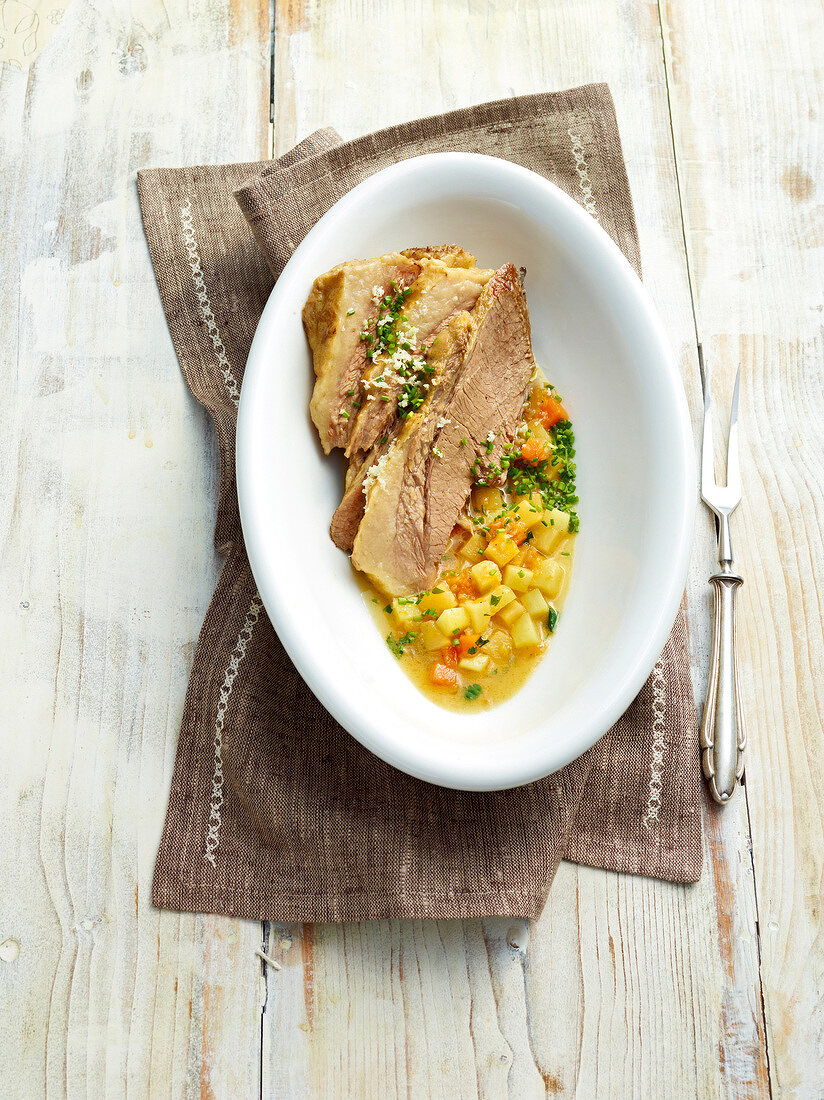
(722, 727)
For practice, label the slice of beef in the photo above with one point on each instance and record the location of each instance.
(334, 316)
(483, 363)
(438, 294)
(349, 513)
(485, 408)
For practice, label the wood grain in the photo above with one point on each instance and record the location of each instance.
(625, 986)
(747, 99)
(628, 987)
(106, 514)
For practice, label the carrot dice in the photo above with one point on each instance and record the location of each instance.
(531, 557)
(532, 450)
(551, 412)
(443, 676)
(517, 531)
(463, 586)
(450, 655)
(466, 642)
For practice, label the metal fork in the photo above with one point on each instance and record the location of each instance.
(722, 727)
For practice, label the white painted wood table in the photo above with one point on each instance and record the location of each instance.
(624, 987)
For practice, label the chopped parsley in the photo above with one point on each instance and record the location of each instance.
(392, 341)
(494, 600)
(397, 645)
(473, 691)
(554, 478)
(552, 620)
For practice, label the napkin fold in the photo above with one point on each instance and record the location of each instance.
(275, 812)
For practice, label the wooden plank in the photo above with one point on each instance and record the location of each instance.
(628, 987)
(747, 99)
(106, 511)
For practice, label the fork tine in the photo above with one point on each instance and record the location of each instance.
(707, 456)
(733, 469)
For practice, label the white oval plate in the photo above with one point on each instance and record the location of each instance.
(597, 337)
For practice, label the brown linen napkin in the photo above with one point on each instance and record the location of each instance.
(275, 812)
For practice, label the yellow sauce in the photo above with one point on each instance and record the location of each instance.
(503, 679)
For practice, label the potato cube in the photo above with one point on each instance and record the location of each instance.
(438, 600)
(500, 597)
(487, 500)
(535, 603)
(529, 514)
(534, 498)
(404, 611)
(473, 548)
(511, 612)
(525, 632)
(499, 646)
(548, 578)
(431, 635)
(553, 525)
(539, 432)
(452, 620)
(480, 612)
(501, 550)
(486, 575)
(517, 577)
(478, 663)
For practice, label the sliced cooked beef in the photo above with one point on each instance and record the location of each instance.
(349, 513)
(334, 317)
(439, 293)
(482, 365)
(485, 408)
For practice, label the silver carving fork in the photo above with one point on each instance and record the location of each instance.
(722, 728)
